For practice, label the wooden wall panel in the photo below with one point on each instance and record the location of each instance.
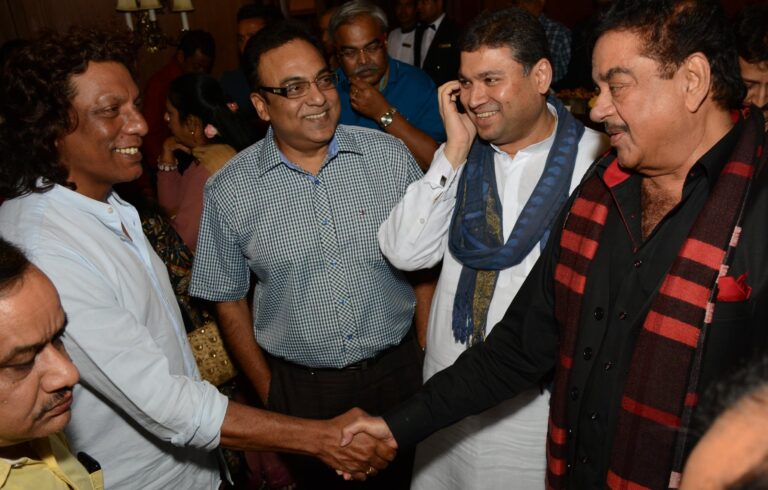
(7, 24)
(22, 18)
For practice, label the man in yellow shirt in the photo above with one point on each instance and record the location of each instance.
(36, 380)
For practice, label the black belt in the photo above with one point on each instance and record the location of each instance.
(357, 366)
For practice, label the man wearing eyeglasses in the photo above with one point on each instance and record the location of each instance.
(299, 210)
(377, 91)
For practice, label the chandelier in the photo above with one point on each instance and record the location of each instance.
(147, 31)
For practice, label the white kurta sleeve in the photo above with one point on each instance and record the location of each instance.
(415, 234)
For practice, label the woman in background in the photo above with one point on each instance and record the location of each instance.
(207, 131)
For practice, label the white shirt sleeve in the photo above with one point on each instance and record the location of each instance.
(119, 359)
(415, 234)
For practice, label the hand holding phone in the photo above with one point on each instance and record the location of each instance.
(459, 128)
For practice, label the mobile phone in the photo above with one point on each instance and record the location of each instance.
(457, 100)
(90, 464)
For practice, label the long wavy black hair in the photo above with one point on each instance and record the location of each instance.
(36, 97)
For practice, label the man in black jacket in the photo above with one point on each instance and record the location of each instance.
(436, 45)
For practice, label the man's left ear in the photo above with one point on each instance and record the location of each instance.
(260, 104)
(541, 74)
(698, 80)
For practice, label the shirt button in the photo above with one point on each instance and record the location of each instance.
(637, 263)
(587, 353)
(599, 312)
(349, 337)
(333, 263)
(110, 210)
(584, 460)
(568, 466)
(570, 431)
(422, 221)
(325, 221)
(593, 415)
(574, 393)
(608, 365)
(622, 315)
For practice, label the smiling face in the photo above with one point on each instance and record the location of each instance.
(304, 124)
(507, 107)
(103, 149)
(644, 114)
(353, 42)
(36, 375)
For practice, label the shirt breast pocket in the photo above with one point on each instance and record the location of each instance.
(731, 336)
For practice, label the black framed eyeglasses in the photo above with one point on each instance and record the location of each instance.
(370, 49)
(294, 90)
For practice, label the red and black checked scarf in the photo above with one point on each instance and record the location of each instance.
(662, 384)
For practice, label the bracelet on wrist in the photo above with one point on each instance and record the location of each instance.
(166, 167)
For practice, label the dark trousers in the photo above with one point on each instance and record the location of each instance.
(374, 386)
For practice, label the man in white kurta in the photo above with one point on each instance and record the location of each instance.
(503, 447)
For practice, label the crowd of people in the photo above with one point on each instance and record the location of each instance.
(389, 258)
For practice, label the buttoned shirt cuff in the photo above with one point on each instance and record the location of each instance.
(441, 174)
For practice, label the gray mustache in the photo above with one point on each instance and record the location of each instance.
(363, 68)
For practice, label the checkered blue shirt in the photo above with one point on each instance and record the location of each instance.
(559, 42)
(325, 296)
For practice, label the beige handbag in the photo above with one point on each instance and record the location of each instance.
(212, 359)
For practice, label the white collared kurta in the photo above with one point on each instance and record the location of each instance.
(503, 447)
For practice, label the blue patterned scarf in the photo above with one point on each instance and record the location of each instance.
(476, 231)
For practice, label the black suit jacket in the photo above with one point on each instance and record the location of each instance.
(442, 61)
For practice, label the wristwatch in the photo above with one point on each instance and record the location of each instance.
(386, 118)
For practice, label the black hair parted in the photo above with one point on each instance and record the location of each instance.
(272, 37)
(673, 30)
(513, 28)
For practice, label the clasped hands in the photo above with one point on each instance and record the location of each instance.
(363, 445)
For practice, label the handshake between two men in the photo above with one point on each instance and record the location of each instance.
(367, 445)
(354, 444)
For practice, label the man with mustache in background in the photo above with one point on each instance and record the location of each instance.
(36, 380)
(377, 91)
